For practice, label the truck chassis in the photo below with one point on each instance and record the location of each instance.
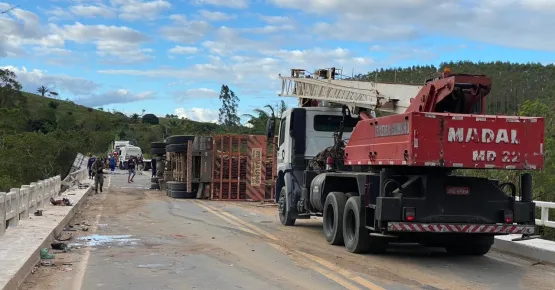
(367, 210)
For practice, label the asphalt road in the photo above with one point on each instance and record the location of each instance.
(141, 239)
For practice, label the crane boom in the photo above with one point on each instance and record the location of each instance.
(394, 98)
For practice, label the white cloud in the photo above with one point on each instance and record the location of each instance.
(201, 93)
(185, 31)
(225, 3)
(229, 41)
(270, 29)
(258, 74)
(198, 114)
(184, 50)
(517, 23)
(19, 28)
(116, 44)
(81, 33)
(86, 91)
(32, 79)
(88, 11)
(113, 97)
(275, 19)
(216, 15)
(132, 10)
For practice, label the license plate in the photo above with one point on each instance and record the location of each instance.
(458, 190)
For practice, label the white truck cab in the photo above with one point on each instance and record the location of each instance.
(127, 152)
(303, 133)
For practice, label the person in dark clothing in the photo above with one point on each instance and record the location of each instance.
(97, 168)
(153, 165)
(92, 159)
(131, 164)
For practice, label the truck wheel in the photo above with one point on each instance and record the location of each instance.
(333, 217)
(285, 216)
(356, 235)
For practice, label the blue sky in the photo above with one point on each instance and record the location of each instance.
(171, 57)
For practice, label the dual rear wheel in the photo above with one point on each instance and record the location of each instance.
(343, 225)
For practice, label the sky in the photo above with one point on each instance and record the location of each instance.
(172, 56)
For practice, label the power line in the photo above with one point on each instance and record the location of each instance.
(9, 9)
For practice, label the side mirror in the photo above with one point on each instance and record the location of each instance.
(270, 128)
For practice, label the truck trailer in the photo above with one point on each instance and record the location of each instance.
(404, 177)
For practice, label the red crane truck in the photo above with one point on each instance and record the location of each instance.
(397, 177)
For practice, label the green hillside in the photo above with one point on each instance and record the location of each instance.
(40, 136)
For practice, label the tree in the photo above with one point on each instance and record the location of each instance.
(260, 118)
(150, 119)
(43, 90)
(10, 91)
(228, 112)
(53, 94)
(135, 118)
(53, 105)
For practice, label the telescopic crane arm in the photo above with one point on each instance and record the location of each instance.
(453, 93)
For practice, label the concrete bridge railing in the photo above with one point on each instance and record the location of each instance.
(544, 216)
(19, 203)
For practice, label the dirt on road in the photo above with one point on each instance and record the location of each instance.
(142, 239)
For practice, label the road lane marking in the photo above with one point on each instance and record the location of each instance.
(244, 223)
(324, 272)
(239, 226)
(323, 262)
(343, 272)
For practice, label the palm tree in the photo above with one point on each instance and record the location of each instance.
(261, 116)
(43, 90)
(135, 118)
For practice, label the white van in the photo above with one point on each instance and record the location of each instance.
(126, 153)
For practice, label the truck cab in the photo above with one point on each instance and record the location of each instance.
(126, 153)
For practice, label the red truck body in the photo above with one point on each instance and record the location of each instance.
(448, 140)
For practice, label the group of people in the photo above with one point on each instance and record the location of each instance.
(96, 166)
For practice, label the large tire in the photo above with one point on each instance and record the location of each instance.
(333, 217)
(182, 194)
(285, 216)
(157, 151)
(476, 246)
(179, 139)
(176, 148)
(154, 180)
(355, 234)
(161, 145)
(154, 186)
(176, 185)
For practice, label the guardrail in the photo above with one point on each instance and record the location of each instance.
(544, 216)
(19, 203)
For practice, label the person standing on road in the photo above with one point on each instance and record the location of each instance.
(89, 165)
(97, 168)
(112, 163)
(131, 164)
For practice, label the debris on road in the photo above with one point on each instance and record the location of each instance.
(59, 246)
(44, 254)
(63, 201)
